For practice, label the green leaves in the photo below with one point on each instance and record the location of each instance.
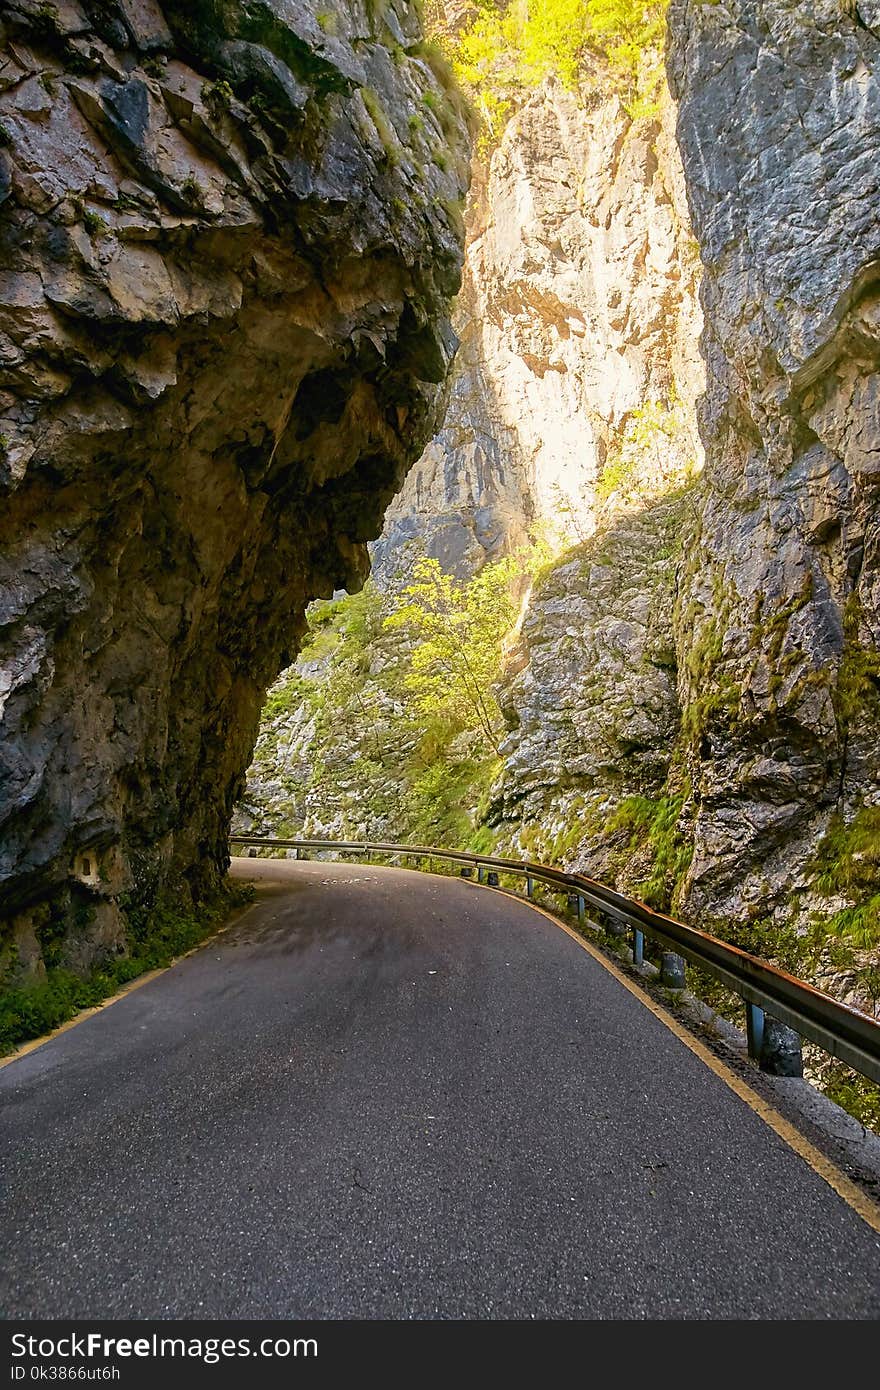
(401, 724)
(455, 632)
(509, 47)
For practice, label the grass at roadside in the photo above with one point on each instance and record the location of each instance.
(31, 1010)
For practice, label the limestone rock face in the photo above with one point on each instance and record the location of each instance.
(587, 273)
(578, 306)
(779, 624)
(229, 235)
(591, 697)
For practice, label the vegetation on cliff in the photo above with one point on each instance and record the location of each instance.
(156, 936)
(454, 632)
(399, 719)
(390, 722)
(503, 50)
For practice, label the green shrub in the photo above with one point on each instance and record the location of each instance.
(654, 823)
(853, 1093)
(156, 937)
(217, 96)
(94, 224)
(847, 860)
(503, 48)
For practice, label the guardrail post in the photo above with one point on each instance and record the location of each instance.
(492, 879)
(582, 908)
(672, 970)
(479, 873)
(252, 852)
(466, 872)
(530, 886)
(781, 1050)
(638, 947)
(754, 1030)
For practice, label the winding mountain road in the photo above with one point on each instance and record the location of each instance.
(386, 1094)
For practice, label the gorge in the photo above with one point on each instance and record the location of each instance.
(225, 334)
(690, 697)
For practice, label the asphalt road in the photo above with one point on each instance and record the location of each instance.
(383, 1094)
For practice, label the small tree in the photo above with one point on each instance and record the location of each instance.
(455, 632)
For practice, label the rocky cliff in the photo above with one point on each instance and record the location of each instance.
(606, 322)
(230, 234)
(779, 614)
(735, 776)
(578, 308)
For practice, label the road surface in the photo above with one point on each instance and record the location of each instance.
(385, 1094)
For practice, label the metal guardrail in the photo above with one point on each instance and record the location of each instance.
(846, 1033)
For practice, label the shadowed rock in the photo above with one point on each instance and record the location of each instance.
(227, 252)
(780, 606)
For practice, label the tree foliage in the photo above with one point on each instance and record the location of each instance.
(512, 45)
(390, 714)
(455, 632)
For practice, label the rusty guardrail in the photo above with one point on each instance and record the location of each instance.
(847, 1034)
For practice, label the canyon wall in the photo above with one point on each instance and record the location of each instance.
(779, 617)
(230, 236)
(578, 308)
(611, 455)
(717, 752)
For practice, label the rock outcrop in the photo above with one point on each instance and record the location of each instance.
(230, 235)
(766, 822)
(578, 308)
(779, 621)
(590, 275)
(592, 704)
